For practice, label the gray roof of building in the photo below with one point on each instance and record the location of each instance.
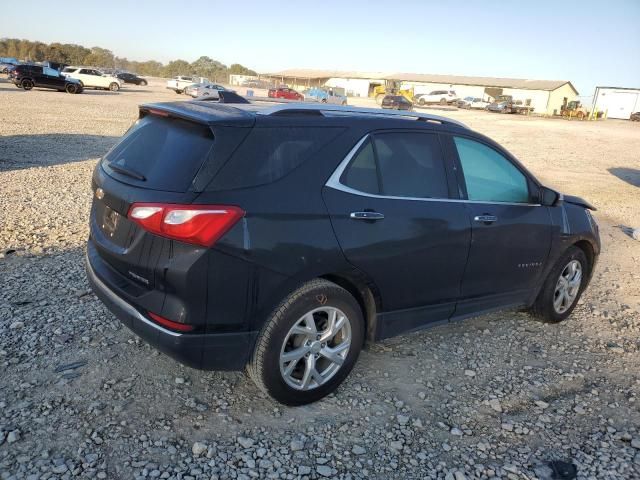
(523, 83)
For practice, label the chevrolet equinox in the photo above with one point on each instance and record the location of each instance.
(278, 237)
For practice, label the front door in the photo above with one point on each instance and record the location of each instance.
(390, 209)
(510, 231)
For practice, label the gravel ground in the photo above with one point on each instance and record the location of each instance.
(494, 396)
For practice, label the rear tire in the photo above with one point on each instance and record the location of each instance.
(311, 374)
(421, 102)
(443, 101)
(114, 87)
(26, 84)
(569, 275)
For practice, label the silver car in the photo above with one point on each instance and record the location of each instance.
(204, 89)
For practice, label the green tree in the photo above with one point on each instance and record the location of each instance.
(237, 69)
(207, 67)
(177, 67)
(100, 57)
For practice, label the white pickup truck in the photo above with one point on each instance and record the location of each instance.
(179, 83)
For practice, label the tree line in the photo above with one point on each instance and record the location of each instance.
(73, 54)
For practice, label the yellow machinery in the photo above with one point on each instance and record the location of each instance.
(392, 87)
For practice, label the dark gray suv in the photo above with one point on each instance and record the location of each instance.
(280, 237)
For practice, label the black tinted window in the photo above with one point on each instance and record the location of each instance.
(411, 165)
(361, 174)
(270, 153)
(167, 152)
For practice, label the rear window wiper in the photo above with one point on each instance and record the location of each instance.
(127, 171)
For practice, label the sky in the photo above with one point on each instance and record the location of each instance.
(587, 42)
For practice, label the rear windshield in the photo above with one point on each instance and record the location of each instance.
(163, 153)
(270, 153)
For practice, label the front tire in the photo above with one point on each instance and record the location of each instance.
(114, 87)
(143, 83)
(563, 287)
(26, 84)
(309, 344)
(71, 88)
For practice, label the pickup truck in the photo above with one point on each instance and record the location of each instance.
(506, 104)
(179, 83)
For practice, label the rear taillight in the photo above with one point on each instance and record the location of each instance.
(170, 324)
(197, 224)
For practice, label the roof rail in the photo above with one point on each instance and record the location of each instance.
(335, 110)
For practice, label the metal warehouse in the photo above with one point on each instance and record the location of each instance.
(545, 96)
(618, 102)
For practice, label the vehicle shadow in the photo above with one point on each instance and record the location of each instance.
(629, 175)
(27, 151)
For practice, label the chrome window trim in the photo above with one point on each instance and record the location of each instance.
(334, 182)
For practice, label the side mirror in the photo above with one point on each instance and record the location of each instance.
(548, 197)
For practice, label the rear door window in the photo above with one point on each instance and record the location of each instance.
(402, 164)
(270, 153)
(411, 165)
(164, 153)
(362, 172)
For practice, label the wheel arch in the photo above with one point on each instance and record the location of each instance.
(366, 294)
(588, 250)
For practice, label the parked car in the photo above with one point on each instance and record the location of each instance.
(285, 92)
(324, 95)
(305, 234)
(179, 83)
(92, 78)
(127, 77)
(6, 63)
(472, 102)
(396, 102)
(437, 96)
(635, 117)
(203, 89)
(5, 67)
(30, 76)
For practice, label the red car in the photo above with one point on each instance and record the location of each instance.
(285, 92)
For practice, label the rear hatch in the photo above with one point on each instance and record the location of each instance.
(164, 158)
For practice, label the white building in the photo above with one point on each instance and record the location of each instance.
(545, 96)
(618, 102)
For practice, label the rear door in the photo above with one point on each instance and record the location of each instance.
(390, 206)
(510, 230)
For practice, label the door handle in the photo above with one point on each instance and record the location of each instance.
(366, 216)
(485, 218)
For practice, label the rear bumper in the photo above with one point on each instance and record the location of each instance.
(223, 351)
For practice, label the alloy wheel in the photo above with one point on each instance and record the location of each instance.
(315, 348)
(567, 287)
